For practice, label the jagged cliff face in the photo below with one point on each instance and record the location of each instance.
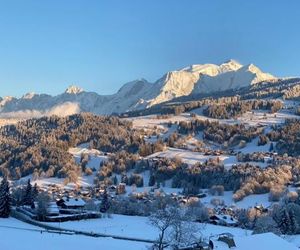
(138, 94)
(205, 78)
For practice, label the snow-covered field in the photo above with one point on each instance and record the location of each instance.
(265, 118)
(17, 235)
(248, 201)
(187, 156)
(150, 121)
(139, 227)
(95, 156)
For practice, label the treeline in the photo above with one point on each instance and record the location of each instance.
(40, 146)
(234, 109)
(219, 133)
(243, 179)
(287, 137)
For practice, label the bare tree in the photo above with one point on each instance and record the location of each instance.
(181, 233)
(163, 219)
(175, 227)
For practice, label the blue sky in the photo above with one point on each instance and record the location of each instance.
(99, 45)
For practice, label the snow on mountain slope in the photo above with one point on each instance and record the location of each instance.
(174, 84)
(182, 82)
(130, 95)
(73, 90)
(138, 94)
(231, 79)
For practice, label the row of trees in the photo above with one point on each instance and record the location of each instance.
(234, 109)
(219, 133)
(287, 137)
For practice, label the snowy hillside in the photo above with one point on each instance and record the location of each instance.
(138, 94)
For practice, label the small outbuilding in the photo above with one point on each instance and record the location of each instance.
(228, 239)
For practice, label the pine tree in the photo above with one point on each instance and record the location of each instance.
(115, 180)
(151, 181)
(5, 199)
(28, 196)
(35, 191)
(284, 221)
(294, 227)
(105, 202)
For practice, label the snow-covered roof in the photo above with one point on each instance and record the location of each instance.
(53, 208)
(258, 242)
(227, 218)
(74, 202)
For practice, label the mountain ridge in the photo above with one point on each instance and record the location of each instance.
(139, 94)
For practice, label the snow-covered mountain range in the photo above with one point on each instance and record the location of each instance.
(138, 94)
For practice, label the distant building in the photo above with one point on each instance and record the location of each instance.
(228, 239)
(223, 220)
(71, 203)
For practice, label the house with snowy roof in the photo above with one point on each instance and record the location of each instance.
(223, 220)
(71, 203)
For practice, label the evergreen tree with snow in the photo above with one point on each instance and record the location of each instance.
(294, 227)
(35, 191)
(151, 181)
(105, 202)
(28, 196)
(285, 223)
(5, 199)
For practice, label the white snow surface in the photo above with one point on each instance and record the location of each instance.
(14, 235)
(17, 235)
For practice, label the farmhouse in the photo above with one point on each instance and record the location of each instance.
(223, 220)
(71, 203)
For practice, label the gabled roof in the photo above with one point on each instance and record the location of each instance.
(74, 202)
